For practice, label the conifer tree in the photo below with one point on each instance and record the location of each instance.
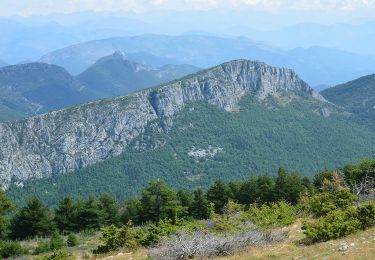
(159, 202)
(66, 215)
(6, 206)
(200, 207)
(32, 220)
(89, 214)
(218, 194)
(108, 210)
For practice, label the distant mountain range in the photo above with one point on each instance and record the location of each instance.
(2, 63)
(115, 75)
(29, 89)
(356, 96)
(358, 38)
(231, 121)
(33, 88)
(317, 65)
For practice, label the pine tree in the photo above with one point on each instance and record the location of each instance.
(6, 206)
(186, 198)
(281, 189)
(66, 215)
(265, 189)
(218, 194)
(248, 191)
(159, 202)
(89, 214)
(200, 207)
(32, 220)
(108, 210)
(132, 212)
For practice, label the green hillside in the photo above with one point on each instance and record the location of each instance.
(115, 75)
(357, 96)
(206, 143)
(28, 89)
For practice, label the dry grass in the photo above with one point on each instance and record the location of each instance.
(363, 248)
(292, 248)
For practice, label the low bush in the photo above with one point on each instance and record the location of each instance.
(320, 204)
(43, 246)
(272, 215)
(58, 255)
(56, 242)
(72, 240)
(155, 233)
(114, 238)
(202, 245)
(366, 215)
(336, 224)
(340, 223)
(11, 249)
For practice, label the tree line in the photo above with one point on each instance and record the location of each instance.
(158, 202)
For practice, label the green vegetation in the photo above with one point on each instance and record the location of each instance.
(115, 75)
(357, 97)
(72, 240)
(258, 139)
(228, 217)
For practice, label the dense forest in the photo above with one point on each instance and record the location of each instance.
(205, 143)
(337, 203)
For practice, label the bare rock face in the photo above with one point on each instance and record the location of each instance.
(70, 139)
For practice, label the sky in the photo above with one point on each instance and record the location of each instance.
(36, 7)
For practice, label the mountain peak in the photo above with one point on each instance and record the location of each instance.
(74, 138)
(120, 55)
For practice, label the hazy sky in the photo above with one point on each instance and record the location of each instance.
(31, 7)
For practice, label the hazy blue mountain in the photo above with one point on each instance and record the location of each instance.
(358, 38)
(2, 63)
(28, 38)
(356, 96)
(29, 89)
(317, 65)
(115, 75)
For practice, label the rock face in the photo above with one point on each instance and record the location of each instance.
(66, 140)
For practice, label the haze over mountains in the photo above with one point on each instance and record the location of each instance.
(33, 88)
(115, 75)
(28, 89)
(285, 44)
(2, 63)
(225, 120)
(317, 65)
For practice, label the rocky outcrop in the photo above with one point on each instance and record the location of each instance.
(69, 139)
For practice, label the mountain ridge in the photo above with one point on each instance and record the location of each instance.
(357, 96)
(70, 139)
(207, 51)
(116, 74)
(36, 87)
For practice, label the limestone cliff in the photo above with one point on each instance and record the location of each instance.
(69, 139)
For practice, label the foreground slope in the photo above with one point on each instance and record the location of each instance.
(232, 121)
(116, 75)
(357, 96)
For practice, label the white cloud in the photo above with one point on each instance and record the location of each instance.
(27, 7)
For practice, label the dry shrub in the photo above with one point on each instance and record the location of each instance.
(200, 244)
